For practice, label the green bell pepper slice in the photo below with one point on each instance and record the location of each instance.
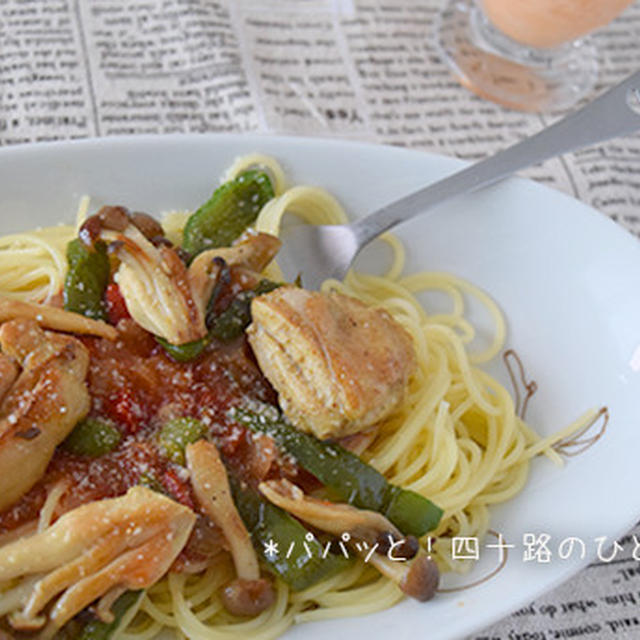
(270, 525)
(97, 630)
(345, 474)
(87, 279)
(230, 210)
(232, 322)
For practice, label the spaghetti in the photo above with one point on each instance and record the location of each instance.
(456, 438)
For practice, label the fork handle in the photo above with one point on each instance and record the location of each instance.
(615, 113)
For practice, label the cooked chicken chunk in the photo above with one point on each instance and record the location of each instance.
(98, 550)
(338, 365)
(44, 403)
(9, 371)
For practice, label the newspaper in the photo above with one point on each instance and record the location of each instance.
(600, 603)
(356, 69)
(367, 70)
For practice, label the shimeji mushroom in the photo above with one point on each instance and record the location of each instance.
(50, 317)
(249, 594)
(417, 577)
(92, 553)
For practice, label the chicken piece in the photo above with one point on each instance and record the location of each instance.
(45, 402)
(251, 253)
(96, 551)
(249, 594)
(9, 371)
(415, 573)
(53, 318)
(338, 365)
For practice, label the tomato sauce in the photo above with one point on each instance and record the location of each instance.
(135, 385)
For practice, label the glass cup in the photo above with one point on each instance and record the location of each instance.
(530, 55)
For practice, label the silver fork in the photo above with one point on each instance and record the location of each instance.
(320, 252)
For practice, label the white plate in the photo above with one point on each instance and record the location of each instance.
(567, 277)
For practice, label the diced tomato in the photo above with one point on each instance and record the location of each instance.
(127, 411)
(116, 307)
(178, 488)
(233, 441)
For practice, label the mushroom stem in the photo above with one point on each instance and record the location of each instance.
(332, 517)
(417, 578)
(53, 318)
(103, 608)
(250, 254)
(249, 594)
(211, 486)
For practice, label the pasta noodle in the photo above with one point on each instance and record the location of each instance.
(456, 438)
